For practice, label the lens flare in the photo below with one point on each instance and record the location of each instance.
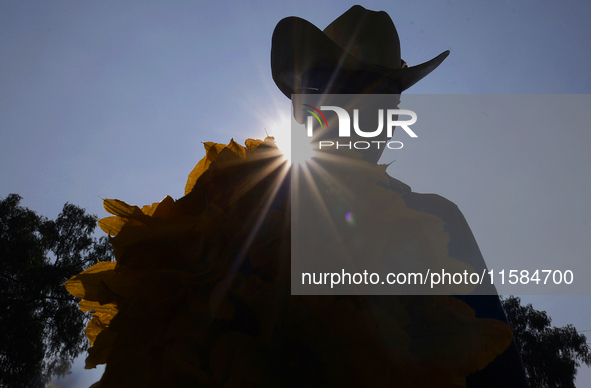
(350, 218)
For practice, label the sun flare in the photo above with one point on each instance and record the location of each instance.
(295, 146)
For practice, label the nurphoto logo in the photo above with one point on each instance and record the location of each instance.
(347, 139)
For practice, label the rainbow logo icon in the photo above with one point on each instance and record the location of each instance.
(314, 113)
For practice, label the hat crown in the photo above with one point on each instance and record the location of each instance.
(370, 36)
(358, 40)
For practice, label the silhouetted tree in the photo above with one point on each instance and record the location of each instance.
(551, 355)
(41, 326)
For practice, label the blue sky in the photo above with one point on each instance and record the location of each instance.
(113, 99)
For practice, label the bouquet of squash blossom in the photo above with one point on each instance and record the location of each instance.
(199, 295)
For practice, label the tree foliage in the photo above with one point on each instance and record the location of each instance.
(551, 355)
(41, 325)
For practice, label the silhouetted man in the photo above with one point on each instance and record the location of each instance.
(359, 53)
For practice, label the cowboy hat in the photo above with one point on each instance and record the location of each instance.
(357, 40)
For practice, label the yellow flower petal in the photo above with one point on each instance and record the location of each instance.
(86, 284)
(252, 144)
(199, 169)
(211, 153)
(237, 148)
(100, 351)
(98, 323)
(89, 305)
(120, 208)
(112, 225)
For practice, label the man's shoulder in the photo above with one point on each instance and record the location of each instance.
(429, 200)
(425, 202)
(434, 204)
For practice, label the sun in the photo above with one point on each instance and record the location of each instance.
(279, 128)
(275, 119)
(294, 145)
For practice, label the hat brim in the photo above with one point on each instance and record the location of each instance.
(298, 46)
